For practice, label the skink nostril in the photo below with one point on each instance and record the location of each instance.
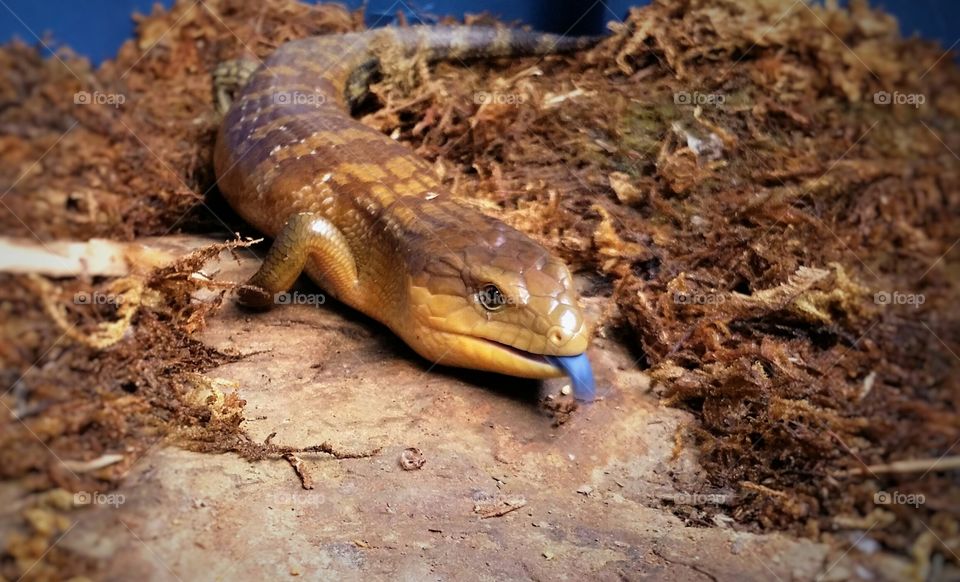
(558, 336)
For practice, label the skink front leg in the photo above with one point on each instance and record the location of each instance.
(304, 236)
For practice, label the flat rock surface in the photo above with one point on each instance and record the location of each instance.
(592, 496)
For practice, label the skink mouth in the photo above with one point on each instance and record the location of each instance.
(518, 352)
(577, 368)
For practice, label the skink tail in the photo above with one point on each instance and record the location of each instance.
(349, 61)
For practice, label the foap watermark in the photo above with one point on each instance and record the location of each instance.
(491, 298)
(97, 298)
(698, 98)
(690, 298)
(97, 498)
(897, 298)
(298, 298)
(898, 498)
(295, 498)
(99, 98)
(684, 498)
(310, 98)
(898, 98)
(498, 98)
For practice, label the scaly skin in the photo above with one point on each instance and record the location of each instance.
(369, 221)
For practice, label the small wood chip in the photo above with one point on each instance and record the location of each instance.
(623, 187)
(93, 464)
(412, 459)
(499, 507)
(339, 453)
(298, 467)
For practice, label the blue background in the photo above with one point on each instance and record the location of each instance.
(96, 28)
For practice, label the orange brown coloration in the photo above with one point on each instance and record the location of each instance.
(369, 221)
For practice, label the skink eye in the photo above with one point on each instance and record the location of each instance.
(491, 298)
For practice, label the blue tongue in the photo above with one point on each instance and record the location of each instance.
(580, 372)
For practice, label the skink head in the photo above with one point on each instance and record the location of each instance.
(485, 296)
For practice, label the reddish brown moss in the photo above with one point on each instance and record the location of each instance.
(740, 245)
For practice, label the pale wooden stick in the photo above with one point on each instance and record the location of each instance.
(909, 466)
(95, 257)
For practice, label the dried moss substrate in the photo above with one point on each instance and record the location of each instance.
(750, 245)
(89, 380)
(742, 243)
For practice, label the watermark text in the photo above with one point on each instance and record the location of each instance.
(98, 498)
(698, 98)
(899, 498)
(497, 98)
(897, 298)
(897, 98)
(298, 298)
(99, 98)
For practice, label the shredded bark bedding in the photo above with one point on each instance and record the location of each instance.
(767, 193)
